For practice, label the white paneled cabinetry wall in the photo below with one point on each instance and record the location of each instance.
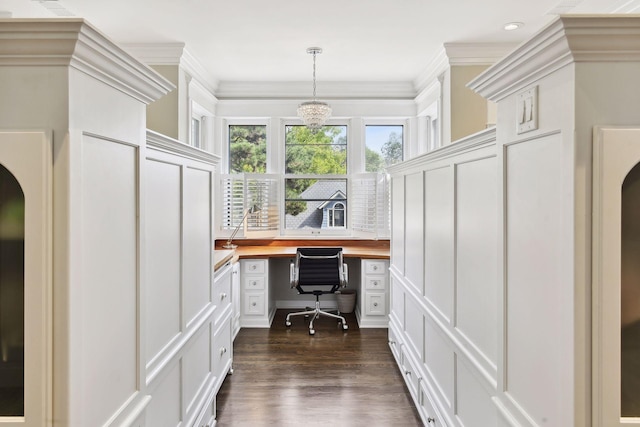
(126, 324)
(492, 317)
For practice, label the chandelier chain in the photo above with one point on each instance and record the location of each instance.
(314, 75)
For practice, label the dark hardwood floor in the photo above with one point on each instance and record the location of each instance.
(285, 377)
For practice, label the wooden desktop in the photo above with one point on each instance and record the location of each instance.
(261, 262)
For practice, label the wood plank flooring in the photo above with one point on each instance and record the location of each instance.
(285, 377)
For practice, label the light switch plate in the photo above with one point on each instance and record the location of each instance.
(527, 110)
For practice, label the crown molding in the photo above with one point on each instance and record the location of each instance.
(568, 39)
(458, 54)
(75, 43)
(163, 143)
(426, 78)
(228, 90)
(477, 141)
(173, 54)
(477, 53)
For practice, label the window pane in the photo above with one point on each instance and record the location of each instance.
(321, 152)
(384, 145)
(11, 295)
(312, 203)
(247, 148)
(195, 132)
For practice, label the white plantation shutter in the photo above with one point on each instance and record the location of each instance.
(244, 191)
(232, 192)
(369, 199)
(262, 192)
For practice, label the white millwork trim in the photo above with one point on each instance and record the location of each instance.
(568, 39)
(74, 42)
(161, 142)
(173, 54)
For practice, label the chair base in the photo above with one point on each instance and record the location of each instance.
(316, 313)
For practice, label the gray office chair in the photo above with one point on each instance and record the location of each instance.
(318, 271)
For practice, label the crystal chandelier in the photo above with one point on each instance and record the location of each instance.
(314, 113)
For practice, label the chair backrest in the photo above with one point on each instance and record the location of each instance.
(319, 267)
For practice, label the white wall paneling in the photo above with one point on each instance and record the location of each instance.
(476, 291)
(163, 320)
(166, 406)
(414, 230)
(534, 250)
(438, 240)
(109, 206)
(124, 223)
(180, 310)
(507, 304)
(197, 243)
(444, 191)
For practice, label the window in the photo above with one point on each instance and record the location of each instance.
(196, 132)
(336, 215)
(247, 148)
(315, 178)
(199, 129)
(383, 146)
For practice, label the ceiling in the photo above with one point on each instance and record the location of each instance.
(266, 41)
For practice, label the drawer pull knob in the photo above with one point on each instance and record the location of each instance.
(375, 283)
(431, 420)
(375, 267)
(253, 304)
(392, 342)
(223, 295)
(375, 304)
(253, 267)
(407, 373)
(253, 283)
(223, 350)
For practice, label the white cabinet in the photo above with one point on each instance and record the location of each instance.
(222, 293)
(235, 299)
(257, 308)
(374, 290)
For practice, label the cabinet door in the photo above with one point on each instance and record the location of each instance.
(25, 280)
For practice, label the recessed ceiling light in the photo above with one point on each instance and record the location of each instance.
(512, 26)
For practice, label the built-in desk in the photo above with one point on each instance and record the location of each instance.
(264, 278)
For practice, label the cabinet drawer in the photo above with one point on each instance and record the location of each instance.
(254, 283)
(427, 408)
(223, 352)
(394, 343)
(375, 304)
(221, 297)
(256, 266)
(254, 303)
(373, 283)
(411, 374)
(374, 267)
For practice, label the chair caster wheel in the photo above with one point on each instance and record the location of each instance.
(312, 331)
(288, 323)
(345, 327)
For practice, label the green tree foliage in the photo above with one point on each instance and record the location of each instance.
(392, 149)
(248, 149)
(308, 152)
(373, 160)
